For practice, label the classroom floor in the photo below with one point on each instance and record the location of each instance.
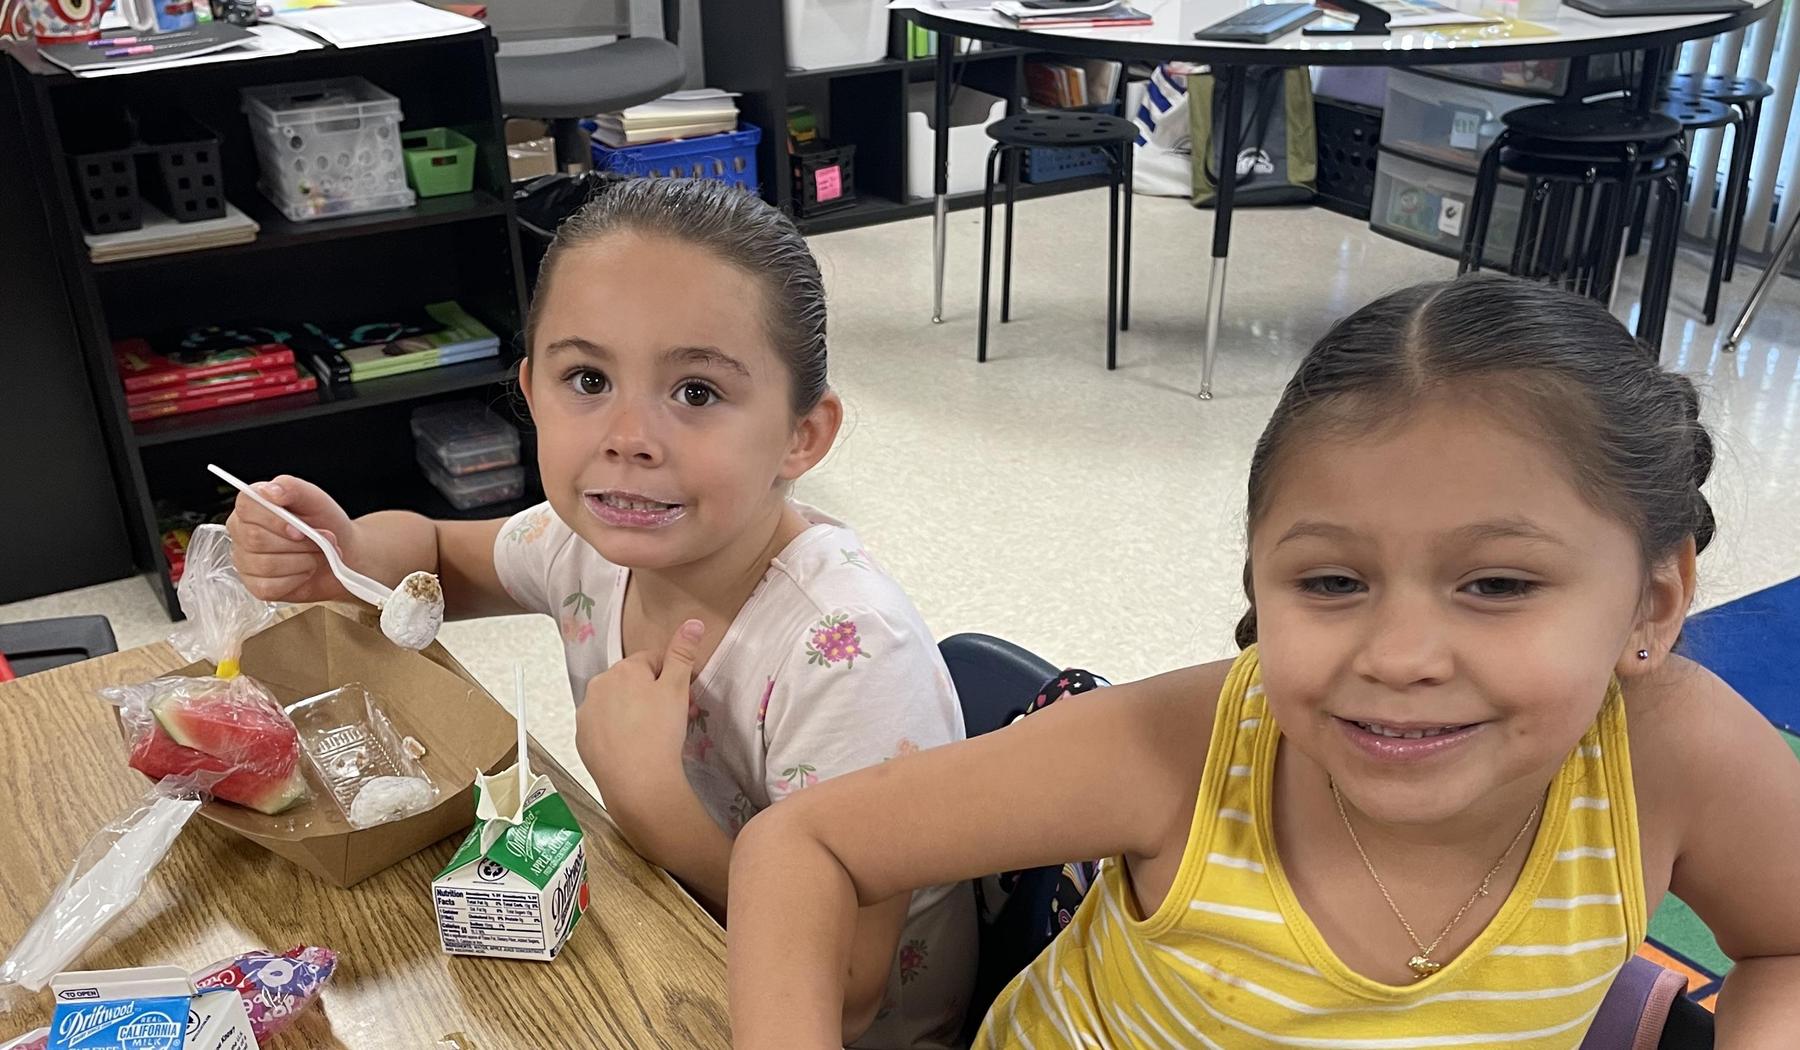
(1097, 518)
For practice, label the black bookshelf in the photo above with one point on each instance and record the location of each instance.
(863, 104)
(91, 480)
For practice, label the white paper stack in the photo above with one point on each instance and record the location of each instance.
(161, 235)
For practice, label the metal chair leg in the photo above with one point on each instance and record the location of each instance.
(1012, 184)
(987, 252)
(1777, 262)
(1525, 240)
(1126, 151)
(1727, 215)
(1752, 114)
(1481, 209)
(1112, 279)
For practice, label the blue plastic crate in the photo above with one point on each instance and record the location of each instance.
(729, 155)
(1051, 165)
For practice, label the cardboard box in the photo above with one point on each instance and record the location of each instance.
(145, 1008)
(518, 884)
(530, 150)
(427, 695)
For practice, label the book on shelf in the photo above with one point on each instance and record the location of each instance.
(1072, 85)
(207, 402)
(227, 383)
(406, 341)
(199, 353)
(680, 115)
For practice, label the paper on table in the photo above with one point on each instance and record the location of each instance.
(265, 40)
(360, 23)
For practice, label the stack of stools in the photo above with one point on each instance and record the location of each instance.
(1584, 165)
(1699, 103)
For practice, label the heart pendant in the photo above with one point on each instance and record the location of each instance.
(1423, 967)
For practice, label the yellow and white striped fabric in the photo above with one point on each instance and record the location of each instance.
(1231, 961)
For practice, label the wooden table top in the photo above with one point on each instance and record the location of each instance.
(645, 968)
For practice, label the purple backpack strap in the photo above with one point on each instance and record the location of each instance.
(1636, 1007)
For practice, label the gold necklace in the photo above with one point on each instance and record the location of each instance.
(1421, 964)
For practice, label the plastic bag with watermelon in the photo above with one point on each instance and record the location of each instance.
(225, 725)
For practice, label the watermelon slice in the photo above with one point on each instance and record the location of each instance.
(157, 755)
(247, 737)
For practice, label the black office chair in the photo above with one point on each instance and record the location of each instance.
(563, 87)
(39, 645)
(995, 679)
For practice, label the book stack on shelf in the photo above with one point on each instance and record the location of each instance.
(1071, 14)
(1072, 85)
(435, 336)
(919, 42)
(680, 115)
(205, 368)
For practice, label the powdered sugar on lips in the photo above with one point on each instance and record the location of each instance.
(412, 615)
(631, 510)
(1406, 742)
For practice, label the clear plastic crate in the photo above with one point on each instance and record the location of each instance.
(328, 147)
(464, 437)
(1445, 123)
(1427, 206)
(475, 490)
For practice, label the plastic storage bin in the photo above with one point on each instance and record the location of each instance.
(1349, 139)
(824, 179)
(439, 161)
(1444, 123)
(825, 33)
(1426, 206)
(970, 112)
(103, 163)
(464, 437)
(179, 170)
(1546, 78)
(475, 490)
(1053, 165)
(730, 156)
(328, 147)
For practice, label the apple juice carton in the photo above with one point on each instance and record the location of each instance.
(518, 884)
(146, 1008)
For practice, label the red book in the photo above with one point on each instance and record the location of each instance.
(142, 368)
(228, 383)
(139, 413)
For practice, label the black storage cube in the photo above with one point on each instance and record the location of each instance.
(178, 168)
(106, 182)
(1349, 135)
(824, 179)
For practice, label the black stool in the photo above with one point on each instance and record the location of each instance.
(1584, 165)
(1701, 114)
(1744, 94)
(1055, 129)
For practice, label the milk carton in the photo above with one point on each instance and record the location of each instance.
(147, 1008)
(518, 884)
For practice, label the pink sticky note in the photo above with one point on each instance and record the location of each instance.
(829, 182)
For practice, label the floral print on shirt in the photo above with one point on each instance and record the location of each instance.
(834, 640)
(762, 709)
(699, 742)
(530, 527)
(742, 809)
(858, 558)
(579, 627)
(796, 776)
(913, 955)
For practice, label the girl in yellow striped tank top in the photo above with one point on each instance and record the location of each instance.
(1432, 804)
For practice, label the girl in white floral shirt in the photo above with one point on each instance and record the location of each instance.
(725, 645)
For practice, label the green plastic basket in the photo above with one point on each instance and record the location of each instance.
(438, 161)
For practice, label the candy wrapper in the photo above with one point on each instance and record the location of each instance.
(226, 725)
(275, 988)
(107, 876)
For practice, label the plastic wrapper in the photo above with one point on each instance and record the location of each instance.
(107, 876)
(275, 988)
(226, 725)
(360, 758)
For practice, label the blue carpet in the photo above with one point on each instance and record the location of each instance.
(1754, 644)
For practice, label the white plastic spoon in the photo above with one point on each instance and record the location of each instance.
(410, 615)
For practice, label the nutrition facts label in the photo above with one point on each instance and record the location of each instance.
(486, 922)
